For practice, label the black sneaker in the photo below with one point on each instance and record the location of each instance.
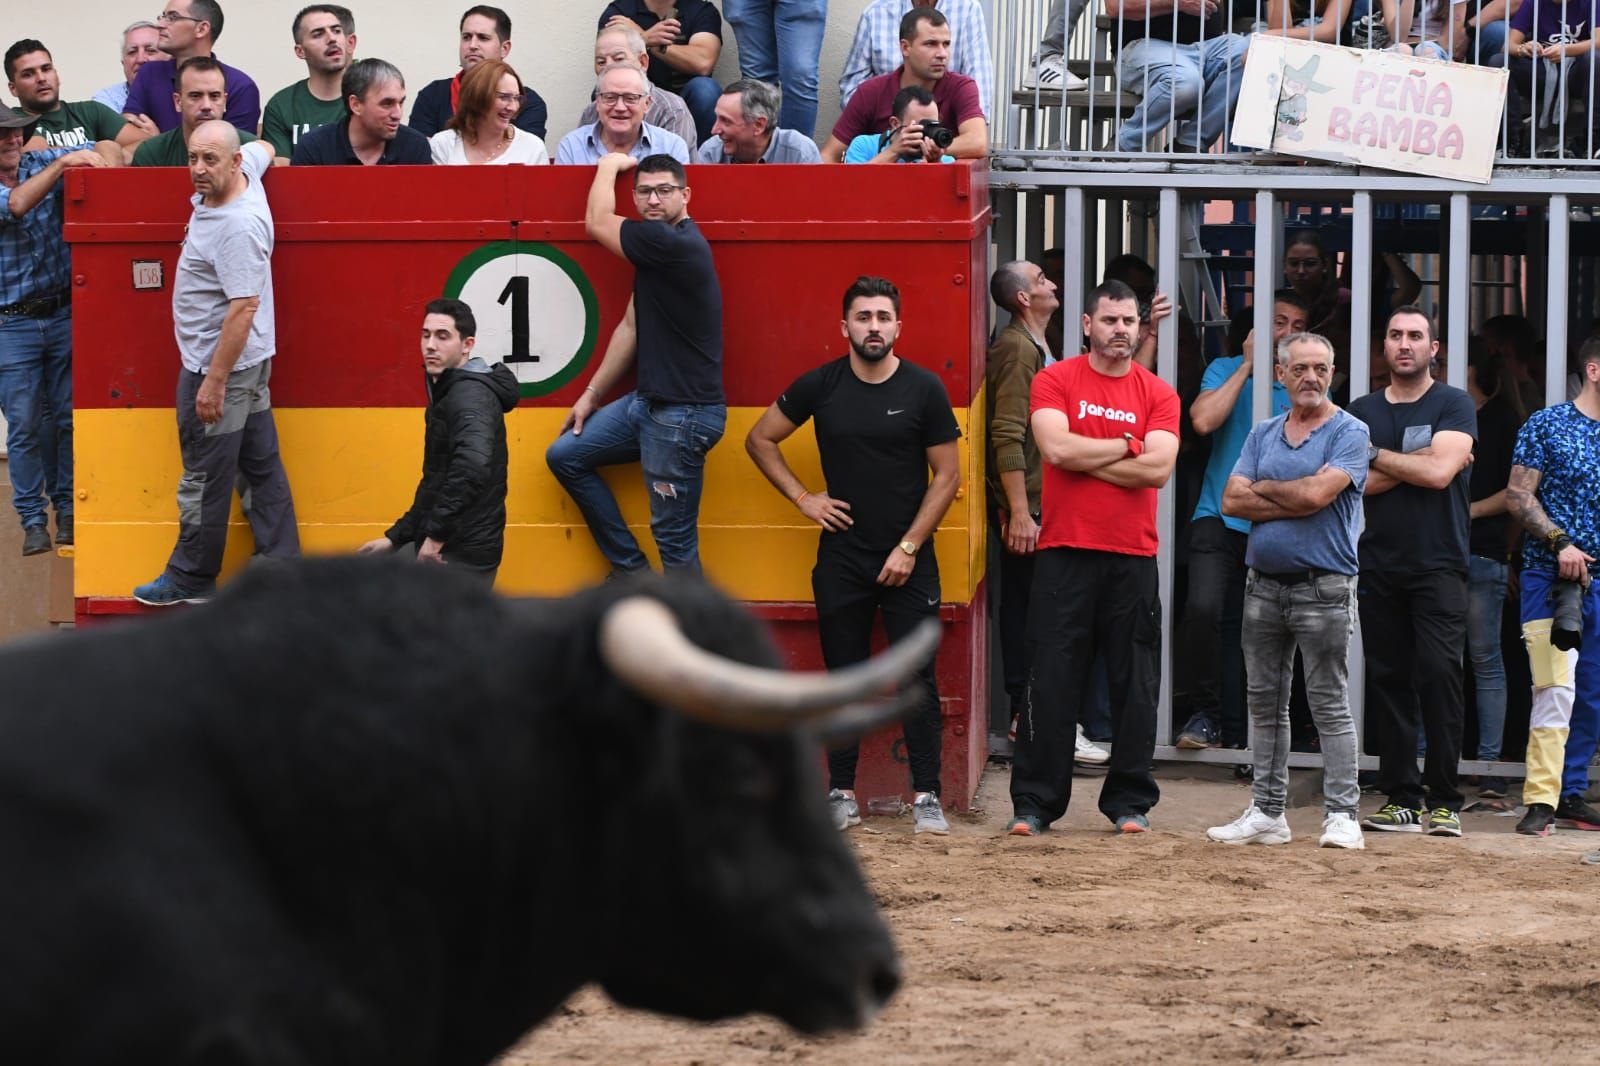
(1573, 813)
(1536, 823)
(1492, 787)
(1393, 818)
(63, 528)
(36, 540)
(1199, 733)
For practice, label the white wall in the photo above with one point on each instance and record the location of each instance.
(552, 44)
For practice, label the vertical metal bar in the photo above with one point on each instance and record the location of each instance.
(1005, 224)
(1555, 308)
(1266, 283)
(1170, 222)
(1360, 297)
(1033, 227)
(1073, 283)
(1459, 304)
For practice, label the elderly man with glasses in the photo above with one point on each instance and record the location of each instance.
(188, 28)
(622, 93)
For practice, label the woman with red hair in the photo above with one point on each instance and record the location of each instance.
(481, 130)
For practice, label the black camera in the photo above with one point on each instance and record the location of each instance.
(1566, 622)
(939, 134)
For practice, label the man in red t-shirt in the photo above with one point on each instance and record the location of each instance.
(1107, 430)
(925, 49)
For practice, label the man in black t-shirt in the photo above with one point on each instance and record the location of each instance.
(684, 39)
(677, 410)
(1413, 586)
(881, 425)
(1188, 66)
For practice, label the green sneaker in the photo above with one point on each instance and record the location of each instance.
(1393, 818)
(1443, 822)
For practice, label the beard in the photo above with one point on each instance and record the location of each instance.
(868, 354)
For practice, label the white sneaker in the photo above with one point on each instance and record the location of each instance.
(1051, 75)
(1252, 827)
(1342, 831)
(1088, 752)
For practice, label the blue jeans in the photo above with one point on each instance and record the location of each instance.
(36, 399)
(780, 41)
(702, 94)
(670, 442)
(1486, 598)
(1198, 83)
(1489, 43)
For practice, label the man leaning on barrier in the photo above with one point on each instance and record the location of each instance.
(1554, 489)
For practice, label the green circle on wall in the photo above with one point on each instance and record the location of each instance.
(536, 311)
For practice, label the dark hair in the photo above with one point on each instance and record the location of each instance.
(209, 12)
(911, 94)
(1293, 299)
(918, 15)
(1589, 352)
(1125, 266)
(1109, 289)
(1412, 309)
(1309, 237)
(868, 286)
(1511, 335)
(20, 49)
(1007, 282)
(347, 21)
(502, 21)
(466, 324)
(200, 65)
(1488, 367)
(363, 74)
(660, 163)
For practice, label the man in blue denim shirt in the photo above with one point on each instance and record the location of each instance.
(677, 411)
(1299, 481)
(36, 326)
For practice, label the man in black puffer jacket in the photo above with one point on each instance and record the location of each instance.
(459, 514)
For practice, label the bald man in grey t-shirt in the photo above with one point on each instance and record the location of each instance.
(222, 316)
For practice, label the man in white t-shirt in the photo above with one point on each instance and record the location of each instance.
(222, 319)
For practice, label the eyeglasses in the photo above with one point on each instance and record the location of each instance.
(656, 192)
(170, 17)
(508, 98)
(631, 99)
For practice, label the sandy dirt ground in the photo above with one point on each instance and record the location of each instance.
(1080, 946)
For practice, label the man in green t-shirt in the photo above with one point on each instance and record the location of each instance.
(325, 37)
(202, 96)
(32, 77)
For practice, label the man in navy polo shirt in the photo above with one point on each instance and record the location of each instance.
(371, 135)
(678, 411)
(189, 28)
(925, 47)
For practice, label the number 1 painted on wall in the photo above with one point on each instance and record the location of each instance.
(516, 291)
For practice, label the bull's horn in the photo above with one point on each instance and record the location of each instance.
(641, 642)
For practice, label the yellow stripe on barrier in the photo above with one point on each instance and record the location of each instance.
(353, 471)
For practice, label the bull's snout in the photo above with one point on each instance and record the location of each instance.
(882, 981)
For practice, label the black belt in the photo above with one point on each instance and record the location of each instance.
(38, 306)
(1300, 577)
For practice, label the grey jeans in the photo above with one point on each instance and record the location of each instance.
(1317, 616)
(1058, 25)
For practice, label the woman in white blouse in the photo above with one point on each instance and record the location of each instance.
(481, 129)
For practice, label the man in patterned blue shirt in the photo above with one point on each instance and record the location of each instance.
(36, 326)
(1555, 494)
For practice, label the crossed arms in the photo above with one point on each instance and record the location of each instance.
(1106, 459)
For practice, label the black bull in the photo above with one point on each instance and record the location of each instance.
(360, 812)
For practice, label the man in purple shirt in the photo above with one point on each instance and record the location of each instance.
(1560, 46)
(925, 47)
(189, 28)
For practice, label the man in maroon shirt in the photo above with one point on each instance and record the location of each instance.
(925, 46)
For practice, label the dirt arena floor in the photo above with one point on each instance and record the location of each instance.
(1080, 946)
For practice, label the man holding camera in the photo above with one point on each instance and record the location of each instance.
(1555, 483)
(915, 134)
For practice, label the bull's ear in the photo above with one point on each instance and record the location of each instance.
(848, 725)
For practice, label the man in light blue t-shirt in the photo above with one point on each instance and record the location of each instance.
(1299, 481)
(1223, 411)
(915, 111)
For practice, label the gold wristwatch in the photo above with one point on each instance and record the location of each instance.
(908, 547)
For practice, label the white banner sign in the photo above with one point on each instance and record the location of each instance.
(1373, 108)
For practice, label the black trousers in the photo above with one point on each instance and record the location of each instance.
(849, 599)
(1215, 601)
(1087, 603)
(1016, 582)
(1414, 631)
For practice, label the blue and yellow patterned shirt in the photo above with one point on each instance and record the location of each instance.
(1563, 444)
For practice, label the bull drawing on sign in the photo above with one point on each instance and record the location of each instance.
(361, 812)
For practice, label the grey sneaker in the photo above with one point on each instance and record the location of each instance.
(843, 809)
(929, 816)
